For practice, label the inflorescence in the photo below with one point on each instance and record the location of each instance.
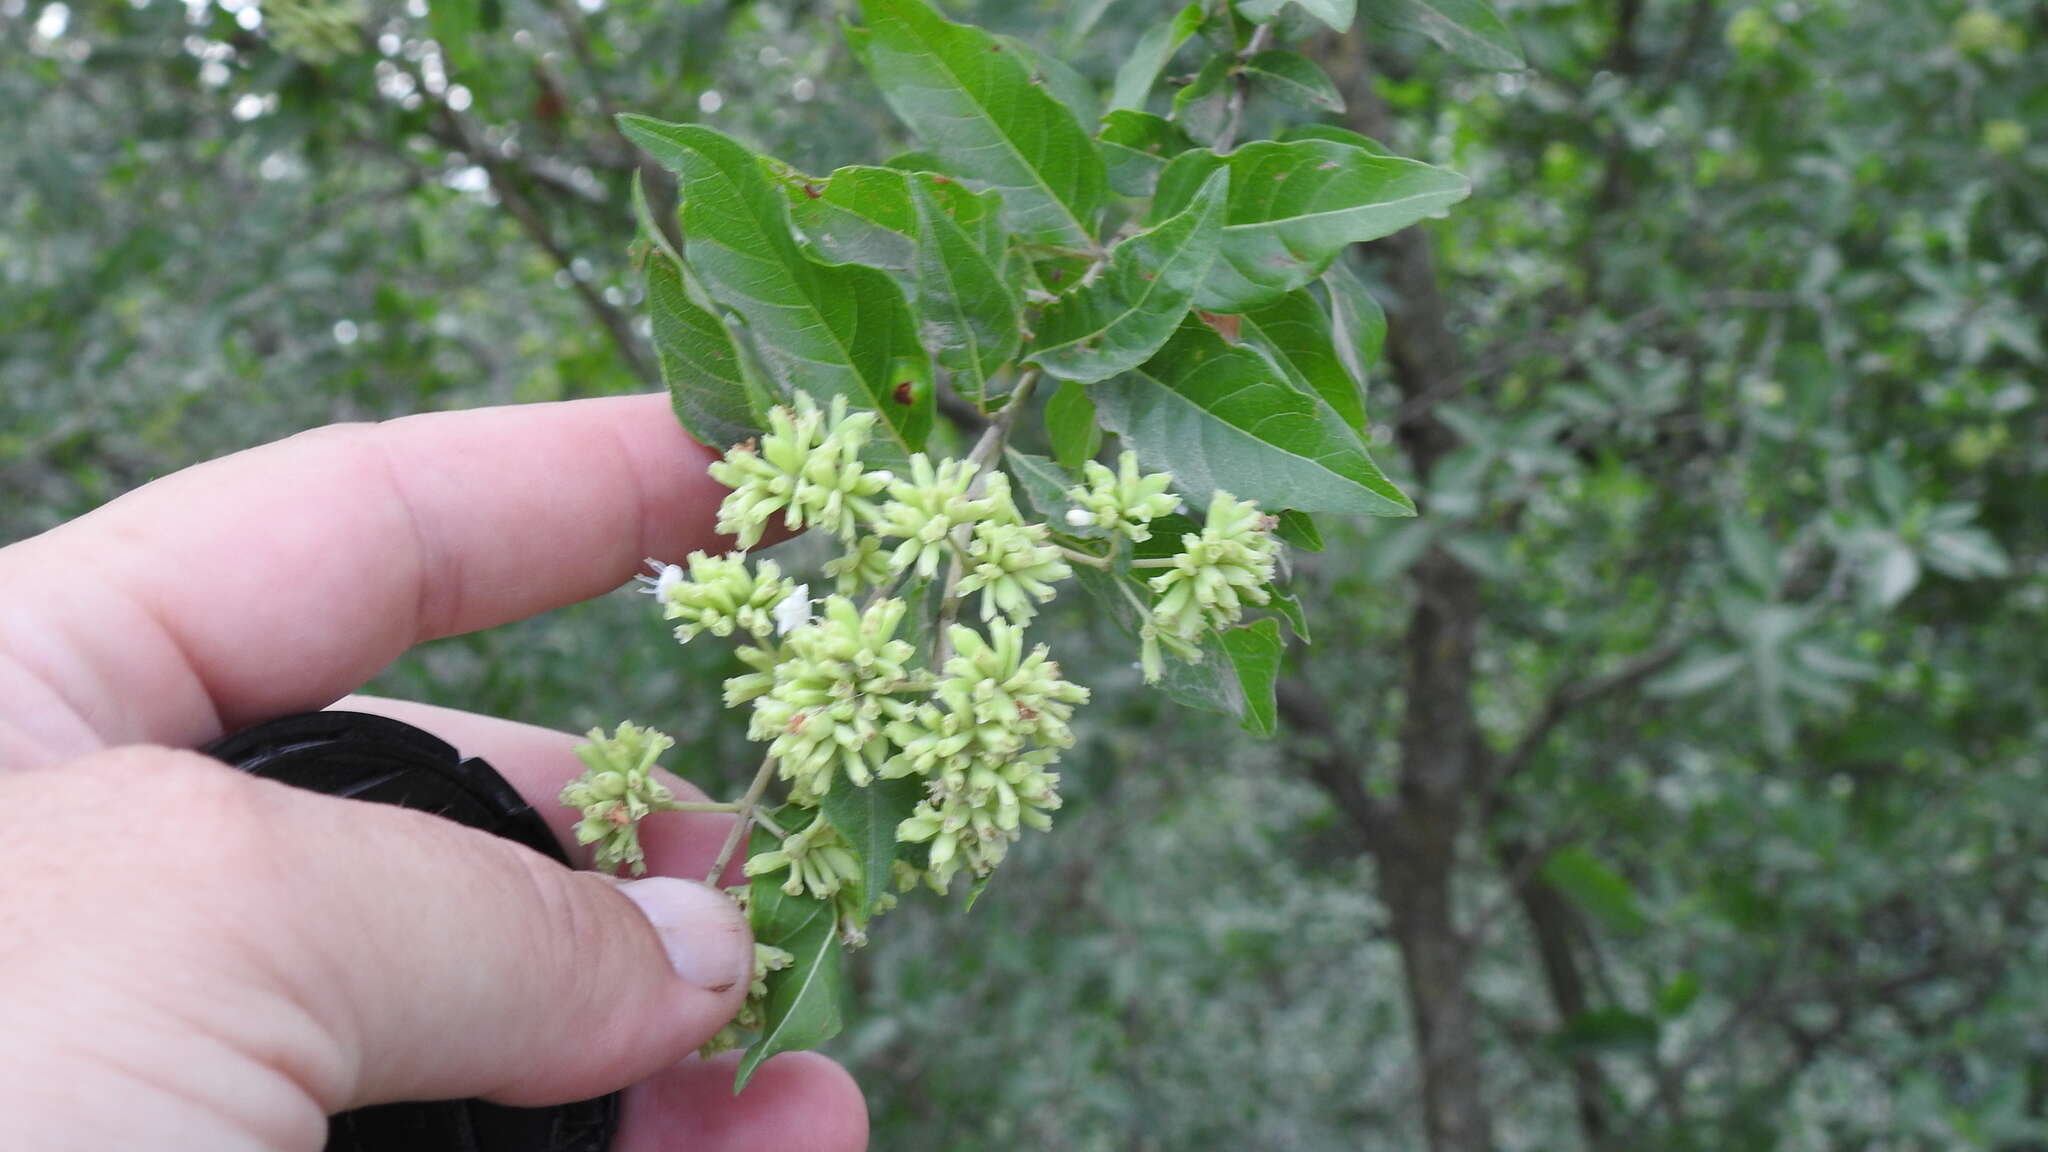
(857, 694)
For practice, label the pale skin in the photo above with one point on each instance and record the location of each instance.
(194, 959)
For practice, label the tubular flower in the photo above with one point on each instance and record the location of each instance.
(807, 467)
(975, 812)
(924, 509)
(1220, 568)
(823, 700)
(1012, 566)
(616, 791)
(817, 858)
(1121, 502)
(721, 595)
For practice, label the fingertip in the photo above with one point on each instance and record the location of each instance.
(795, 1102)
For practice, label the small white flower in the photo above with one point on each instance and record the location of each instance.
(1079, 518)
(795, 610)
(666, 577)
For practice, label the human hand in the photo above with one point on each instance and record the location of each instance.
(196, 959)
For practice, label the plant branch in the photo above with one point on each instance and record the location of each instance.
(746, 809)
(1234, 110)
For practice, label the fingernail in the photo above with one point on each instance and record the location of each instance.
(700, 927)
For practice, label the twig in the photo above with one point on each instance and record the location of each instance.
(745, 808)
(1261, 36)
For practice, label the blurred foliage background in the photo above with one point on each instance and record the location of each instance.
(1674, 782)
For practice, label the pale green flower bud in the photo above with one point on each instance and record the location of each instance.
(923, 509)
(720, 595)
(816, 857)
(976, 813)
(832, 690)
(616, 791)
(1012, 566)
(1121, 502)
(866, 564)
(1219, 570)
(806, 467)
(1017, 691)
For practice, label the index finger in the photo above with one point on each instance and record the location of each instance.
(278, 579)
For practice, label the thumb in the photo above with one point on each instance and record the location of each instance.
(433, 960)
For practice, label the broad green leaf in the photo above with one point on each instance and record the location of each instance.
(1751, 552)
(1070, 425)
(1287, 606)
(1203, 106)
(832, 330)
(1295, 205)
(804, 1003)
(1059, 78)
(1255, 651)
(1294, 78)
(1140, 70)
(1136, 146)
(857, 215)
(867, 818)
(1357, 321)
(1296, 334)
(1602, 892)
(1338, 14)
(974, 103)
(1218, 416)
(702, 369)
(1041, 486)
(965, 311)
(1605, 1029)
(1468, 29)
(1115, 323)
(1298, 529)
(1314, 130)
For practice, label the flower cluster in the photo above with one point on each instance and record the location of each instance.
(1123, 502)
(807, 467)
(616, 791)
(1229, 562)
(767, 958)
(936, 741)
(825, 695)
(720, 595)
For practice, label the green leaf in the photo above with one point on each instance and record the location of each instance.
(1295, 332)
(1678, 994)
(1601, 891)
(1041, 486)
(1358, 322)
(857, 215)
(1751, 552)
(1136, 146)
(1295, 79)
(974, 893)
(1338, 14)
(974, 103)
(1605, 1029)
(1298, 529)
(1218, 416)
(1287, 606)
(1070, 425)
(1255, 651)
(1114, 324)
(1315, 130)
(1294, 205)
(1468, 29)
(1059, 78)
(1202, 107)
(867, 818)
(706, 381)
(966, 313)
(1140, 70)
(803, 1007)
(832, 330)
